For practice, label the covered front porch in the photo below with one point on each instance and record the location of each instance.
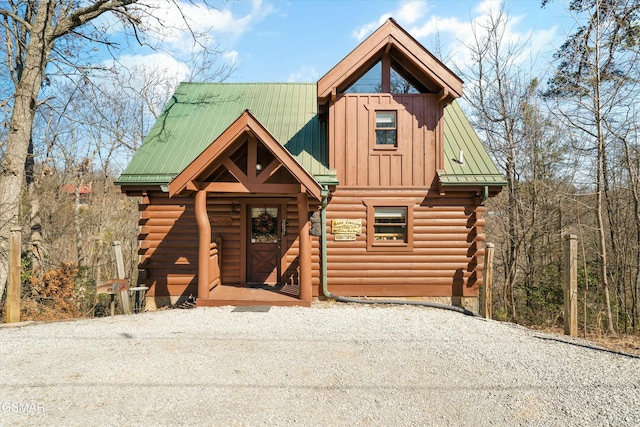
(267, 261)
(250, 295)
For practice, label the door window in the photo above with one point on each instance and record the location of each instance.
(264, 225)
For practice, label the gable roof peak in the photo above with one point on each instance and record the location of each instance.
(391, 38)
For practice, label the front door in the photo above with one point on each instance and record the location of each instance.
(263, 254)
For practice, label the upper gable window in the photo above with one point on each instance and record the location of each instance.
(386, 128)
(371, 82)
(401, 85)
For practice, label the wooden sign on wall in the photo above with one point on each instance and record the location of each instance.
(346, 226)
(344, 237)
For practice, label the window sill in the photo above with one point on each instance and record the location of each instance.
(385, 148)
(399, 247)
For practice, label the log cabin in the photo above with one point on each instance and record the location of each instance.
(368, 183)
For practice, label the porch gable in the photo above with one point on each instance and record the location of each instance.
(248, 174)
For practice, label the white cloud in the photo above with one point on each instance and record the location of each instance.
(411, 11)
(459, 33)
(456, 33)
(407, 13)
(364, 30)
(174, 23)
(439, 24)
(231, 56)
(159, 62)
(304, 74)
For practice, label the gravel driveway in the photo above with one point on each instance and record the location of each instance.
(330, 365)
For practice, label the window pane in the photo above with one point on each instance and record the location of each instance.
(397, 233)
(264, 225)
(391, 215)
(390, 223)
(371, 82)
(385, 119)
(400, 85)
(385, 137)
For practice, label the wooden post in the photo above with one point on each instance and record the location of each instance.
(13, 285)
(204, 243)
(124, 294)
(571, 285)
(304, 253)
(486, 293)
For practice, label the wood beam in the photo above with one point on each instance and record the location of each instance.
(304, 254)
(386, 72)
(238, 187)
(235, 170)
(252, 158)
(193, 186)
(266, 172)
(204, 243)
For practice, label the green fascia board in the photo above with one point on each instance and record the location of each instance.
(477, 167)
(198, 113)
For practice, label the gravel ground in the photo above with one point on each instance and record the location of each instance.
(333, 364)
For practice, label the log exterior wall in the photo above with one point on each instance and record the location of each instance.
(446, 258)
(169, 242)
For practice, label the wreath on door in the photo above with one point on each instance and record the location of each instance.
(264, 224)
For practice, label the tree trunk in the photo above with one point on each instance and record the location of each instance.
(36, 246)
(600, 181)
(78, 227)
(12, 176)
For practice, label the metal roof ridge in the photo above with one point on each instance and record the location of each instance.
(250, 83)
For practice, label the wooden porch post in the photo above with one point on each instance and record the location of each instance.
(204, 243)
(304, 255)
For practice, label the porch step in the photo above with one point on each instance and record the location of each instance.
(223, 295)
(241, 303)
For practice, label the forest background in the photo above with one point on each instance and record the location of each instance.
(566, 141)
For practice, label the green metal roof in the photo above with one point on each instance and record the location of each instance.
(198, 113)
(477, 167)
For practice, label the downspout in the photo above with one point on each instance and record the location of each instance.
(485, 193)
(325, 288)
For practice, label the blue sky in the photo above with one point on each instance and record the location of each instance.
(300, 40)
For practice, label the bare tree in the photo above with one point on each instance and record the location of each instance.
(495, 94)
(44, 38)
(593, 68)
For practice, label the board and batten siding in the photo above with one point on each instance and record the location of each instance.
(353, 152)
(446, 258)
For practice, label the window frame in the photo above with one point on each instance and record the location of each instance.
(386, 129)
(374, 245)
(375, 108)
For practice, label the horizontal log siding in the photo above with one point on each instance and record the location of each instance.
(353, 153)
(290, 257)
(447, 255)
(228, 212)
(169, 243)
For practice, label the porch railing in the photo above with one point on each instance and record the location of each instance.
(215, 263)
